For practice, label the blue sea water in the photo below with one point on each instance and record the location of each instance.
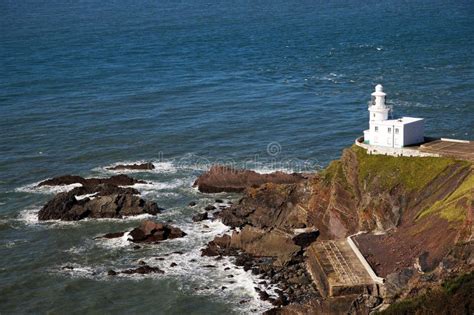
(265, 84)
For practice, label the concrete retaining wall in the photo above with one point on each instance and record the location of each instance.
(379, 150)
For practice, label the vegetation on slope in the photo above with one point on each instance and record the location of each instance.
(453, 207)
(455, 296)
(413, 173)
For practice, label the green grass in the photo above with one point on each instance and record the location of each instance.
(448, 208)
(413, 173)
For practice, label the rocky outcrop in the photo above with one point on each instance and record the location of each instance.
(274, 257)
(140, 166)
(200, 217)
(414, 209)
(265, 243)
(154, 232)
(118, 180)
(100, 201)
(150, 232)
(268, 206)
(226, 179)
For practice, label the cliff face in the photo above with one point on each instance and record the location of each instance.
(361, 192)
(415, 212)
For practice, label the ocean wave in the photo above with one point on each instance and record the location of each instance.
(157, 186)
(11, 244)
(30, 217)
(200, 274)
(34, 188)
(160, 167)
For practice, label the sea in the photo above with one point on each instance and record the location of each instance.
(185, 84)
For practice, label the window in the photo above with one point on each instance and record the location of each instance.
(376, 129)
(373, 115)
(396, 131)
(389, 130)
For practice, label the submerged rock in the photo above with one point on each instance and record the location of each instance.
(113, 235)
(226, 179)
(142, 166)
(143, 270)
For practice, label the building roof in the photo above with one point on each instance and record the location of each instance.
(399, 121)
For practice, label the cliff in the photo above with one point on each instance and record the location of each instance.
(414, 211)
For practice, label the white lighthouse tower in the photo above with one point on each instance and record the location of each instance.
(395, 133)
(378, 109)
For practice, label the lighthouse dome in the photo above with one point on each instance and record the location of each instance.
(379, 88)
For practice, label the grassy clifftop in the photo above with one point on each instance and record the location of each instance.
(409, 175)
(414, 173)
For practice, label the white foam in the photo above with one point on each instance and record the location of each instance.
(76, 271)
(90, 196)
(29, 216)
(155, 186)
(161, 167)
(117, 242)
(209, 281)
(46, 189)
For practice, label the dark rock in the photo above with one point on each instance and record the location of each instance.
(421, 262)
(109, 202)
(263, 295)
(209, 208)
(118, 180)
(142, 166)
(219, 201)
(111, 273)
(173, 264)
(136, 247)
(227, 179)
(143, 270)
(192, 204)
(113, 235)
(152, 232)
(200, 217)
(306, 238)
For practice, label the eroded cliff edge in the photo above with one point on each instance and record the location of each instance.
(416, 212)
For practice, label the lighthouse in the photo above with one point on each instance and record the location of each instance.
(394, 133)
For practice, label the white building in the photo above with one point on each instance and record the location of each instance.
(394, 133)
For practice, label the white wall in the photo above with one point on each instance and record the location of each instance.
(414, 133)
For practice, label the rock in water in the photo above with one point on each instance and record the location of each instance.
(118, 180)
(200, 217)
(226, 179)
(107, 202)
(142, 166)
(143, 270)
(152, 232)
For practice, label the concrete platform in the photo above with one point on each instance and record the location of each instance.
(336, 270)
(463, 150)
